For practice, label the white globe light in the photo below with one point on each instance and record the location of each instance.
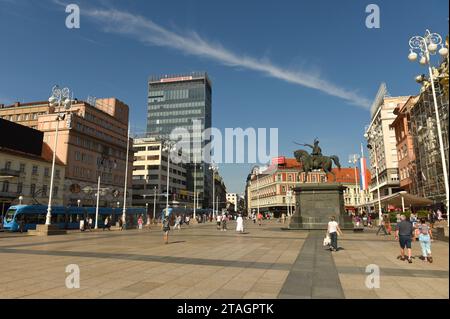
(443, 51)
(423, 60)
(412, 56)
(52, 100)
(432, 47)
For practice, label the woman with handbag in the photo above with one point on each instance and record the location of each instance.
(333, 231)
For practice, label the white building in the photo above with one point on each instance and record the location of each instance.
(150, 177)
(233, 198)
(381, 138)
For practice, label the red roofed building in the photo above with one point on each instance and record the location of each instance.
(269, 190)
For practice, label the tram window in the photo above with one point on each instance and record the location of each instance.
(41, 218)
(9, 215)
(31, 218)
(54, 218)
(60, 218)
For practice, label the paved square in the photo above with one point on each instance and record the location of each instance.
(202, 262)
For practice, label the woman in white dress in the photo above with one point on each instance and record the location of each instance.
(240, 224)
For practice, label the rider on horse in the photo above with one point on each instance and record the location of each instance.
(316, 150)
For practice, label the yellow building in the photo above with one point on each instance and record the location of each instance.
(25, 178)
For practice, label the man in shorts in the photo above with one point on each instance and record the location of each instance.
(403, 234)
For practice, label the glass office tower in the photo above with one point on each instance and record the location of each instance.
(180, 101)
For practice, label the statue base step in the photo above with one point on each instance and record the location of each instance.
(46, 230)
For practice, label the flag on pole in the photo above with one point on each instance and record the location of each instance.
(363, 170)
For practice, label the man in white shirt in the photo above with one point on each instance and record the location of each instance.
(333, 230)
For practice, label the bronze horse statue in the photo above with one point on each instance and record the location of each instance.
(311, 162)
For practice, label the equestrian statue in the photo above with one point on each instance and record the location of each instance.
(315, 160)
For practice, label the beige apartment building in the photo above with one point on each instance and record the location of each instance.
(92, 142)
(150, 177)
(383, 143)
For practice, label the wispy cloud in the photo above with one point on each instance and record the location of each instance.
(150, 33)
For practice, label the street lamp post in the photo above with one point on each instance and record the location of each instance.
(256, 171)
(195, 186)
(213, 168)
(79, 202)
(169, 146)
(353, 159)
(98, 200)
(60, 97)
(154, 203)
(124, 209)
(288, 202)
(428, 45)
(20, 199)
(369, 137)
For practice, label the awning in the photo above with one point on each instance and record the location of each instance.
(401, 199)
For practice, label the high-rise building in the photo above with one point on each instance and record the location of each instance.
(184, 102)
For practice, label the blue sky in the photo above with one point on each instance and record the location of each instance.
(309, 68)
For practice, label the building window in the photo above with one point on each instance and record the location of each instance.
(57, 173)
(46, 171)
(5, 187)
(19, 188)
(44, 190)
(55, 191)
(34, 170)
(8, 165)
(22, 168)
(32, 189)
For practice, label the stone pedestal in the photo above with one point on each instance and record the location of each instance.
(316, 203)
(46, 230)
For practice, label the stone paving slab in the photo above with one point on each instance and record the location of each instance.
(201, 262)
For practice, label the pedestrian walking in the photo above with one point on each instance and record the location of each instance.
(177, 222)
(224, 222)
(382, 226)
(333, 230)
(120, 223)
(166, 229)
(439, 215)
(425, 239)
(240, 224)
(260, 217)
(140, 222)
(106, 224)
(90, 223)
(369, 221)
(82, 225)
(219, 221)
(283, 218)
(403, 234)
(187, 219)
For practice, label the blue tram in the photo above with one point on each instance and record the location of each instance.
(66, 217)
